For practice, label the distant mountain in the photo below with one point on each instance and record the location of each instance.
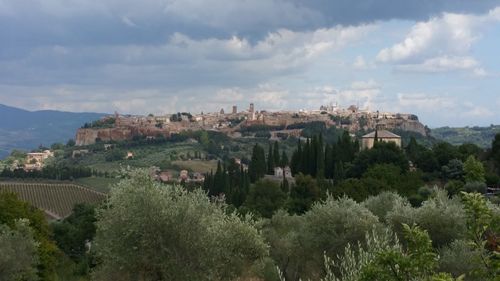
(23, 129)
(482, 136)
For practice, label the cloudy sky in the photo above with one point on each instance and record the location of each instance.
(439, 59)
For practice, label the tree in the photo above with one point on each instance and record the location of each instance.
(473, 170)
(495, 151)
(453, 170)
(333, 224)
(483, 229)
(265, 197)
(151, 231)
(72, 233)
(270, 161)
(445, 152)
(418, 262)
(381, 153)
(276, 154)
(18, 252)
(11, 210)
(303, 194)
(284, 159)
(257, 167)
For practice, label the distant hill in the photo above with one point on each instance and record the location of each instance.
(22, 129)
(482, 136)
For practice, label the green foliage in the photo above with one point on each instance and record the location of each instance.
(333, 224)
(115, 155)
(72, 233)
(383, 203)
(416, 263)
(473, 170)
(459, 258)
(495, 152)
(18, 252)
(108, 122)
(381, 153)
(11, 210)
(284, 233)
(445, 152)
(150, 231)
(257, 168)
(265, 197)
(453, 170)
(482, 230)
(348, 265)
(480, 136)
(454, 187)
(443, 218)
(303, 194)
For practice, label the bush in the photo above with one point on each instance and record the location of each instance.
(475, 186)
(150, 231)
(459, 258)
(332, 224)
(443, 218)
(383, 203)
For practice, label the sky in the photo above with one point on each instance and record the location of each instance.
(438, 59)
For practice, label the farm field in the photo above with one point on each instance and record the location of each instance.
(98, 184)
(55, 199)
(197, 165)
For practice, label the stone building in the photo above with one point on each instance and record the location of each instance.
(368, 140)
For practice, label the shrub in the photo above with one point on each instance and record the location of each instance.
(383, 203)
(150, 231)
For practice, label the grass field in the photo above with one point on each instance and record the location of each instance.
(197, 165)
(55, 199)
(97, 183)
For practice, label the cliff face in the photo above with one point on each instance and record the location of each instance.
(90, 136)
(405, 125)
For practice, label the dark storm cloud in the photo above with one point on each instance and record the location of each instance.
(25, 23)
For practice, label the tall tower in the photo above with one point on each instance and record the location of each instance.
(235, 109)
(252, 109)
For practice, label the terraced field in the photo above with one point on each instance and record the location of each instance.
(56, 200)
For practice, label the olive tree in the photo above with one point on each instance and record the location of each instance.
(18, 252)
(151, 231)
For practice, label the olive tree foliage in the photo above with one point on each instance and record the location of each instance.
(443, 218)
(333, 224)
(151, 231)
(383, 258)
(483, 230)
(18, 252)
(347, 267)
(284, 233)
(459, 258)
(383, 203)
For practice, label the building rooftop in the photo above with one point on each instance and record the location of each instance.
(384, 134)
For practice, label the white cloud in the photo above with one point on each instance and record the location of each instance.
(440, 44)
(126, 20)
(361, 64)
(442, 64)
(425, 102)
(362, 93)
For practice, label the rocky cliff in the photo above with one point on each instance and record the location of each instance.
(91, 135)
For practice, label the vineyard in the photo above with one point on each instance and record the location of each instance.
(55, 199)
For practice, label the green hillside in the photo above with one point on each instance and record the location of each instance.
(481, 136)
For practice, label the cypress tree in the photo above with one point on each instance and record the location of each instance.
(320, 158)
(284, 159)
(257, 168)
(276, 154)
(270, 161)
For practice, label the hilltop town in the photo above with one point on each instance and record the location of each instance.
(242, 123)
